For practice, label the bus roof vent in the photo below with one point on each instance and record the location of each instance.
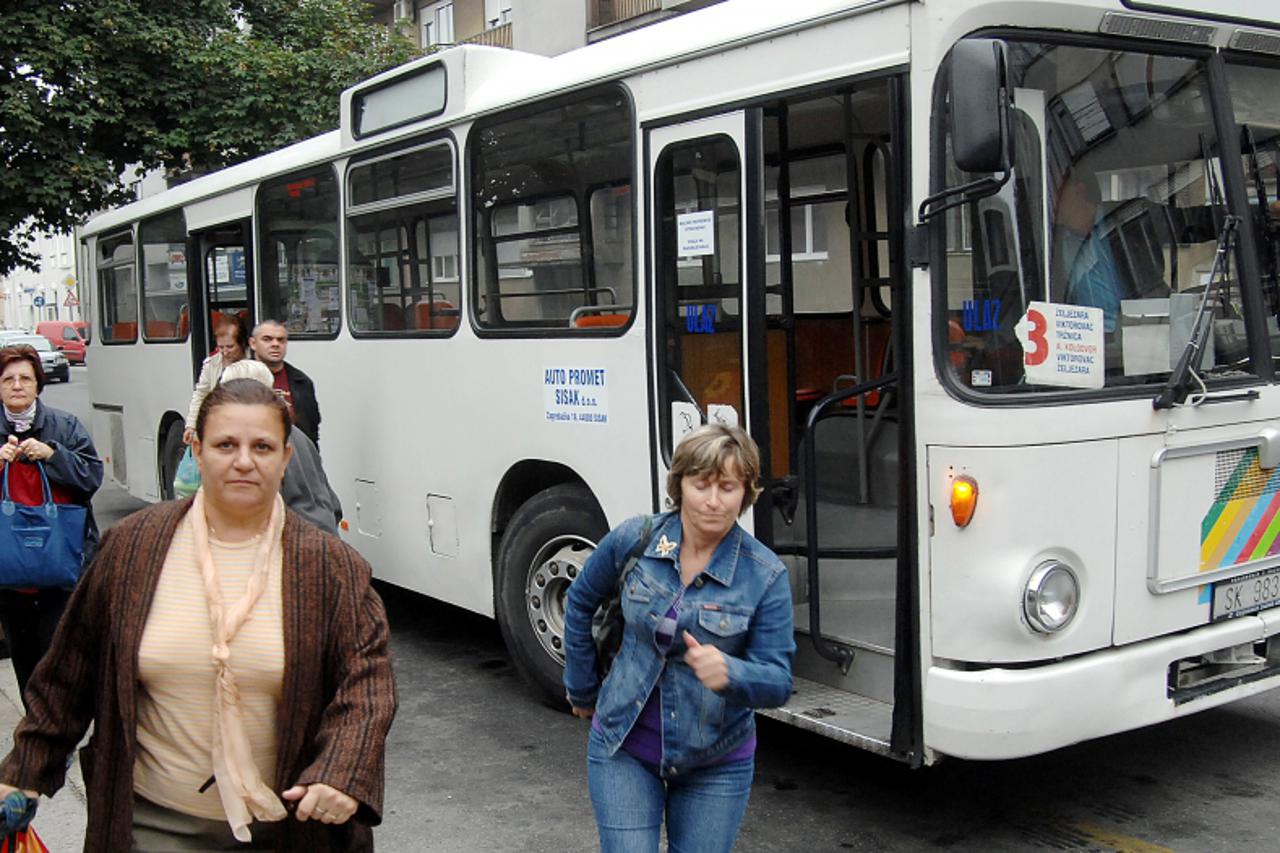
(1116, 24)
(1255, 41)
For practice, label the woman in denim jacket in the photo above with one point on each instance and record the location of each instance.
(708, 639)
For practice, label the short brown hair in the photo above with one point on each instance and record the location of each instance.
(709, 450)
(23, 352)
(236, 323)
(244, 392)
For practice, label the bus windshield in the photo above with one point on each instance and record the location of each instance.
(1087, 269)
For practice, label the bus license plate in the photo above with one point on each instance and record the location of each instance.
(1245, 594)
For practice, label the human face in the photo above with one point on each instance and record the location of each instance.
(242, 458)
(228, 346)
(270, 345)
(710, 503)
(18, 386)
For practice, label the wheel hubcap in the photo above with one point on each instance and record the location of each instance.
(555, 566)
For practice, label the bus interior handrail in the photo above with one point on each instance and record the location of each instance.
(596, 309)
(841, 655)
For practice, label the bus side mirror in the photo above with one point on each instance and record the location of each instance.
(980, 106)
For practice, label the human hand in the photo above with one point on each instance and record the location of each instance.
(6, 790)
(583, 713)
(9, 450)
(707, 662)
(36, 451)
(321, 802)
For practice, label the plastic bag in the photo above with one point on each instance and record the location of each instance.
(187, 481)
(23, 841)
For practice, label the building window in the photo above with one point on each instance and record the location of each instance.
(437, 24)
(497, 12)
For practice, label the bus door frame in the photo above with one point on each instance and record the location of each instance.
(199, 244)
(744, 129)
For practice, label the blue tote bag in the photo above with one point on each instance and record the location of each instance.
(41, 544)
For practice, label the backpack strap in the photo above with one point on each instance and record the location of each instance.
(637, 550)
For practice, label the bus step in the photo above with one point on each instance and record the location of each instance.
(871, 673)
(837, 714)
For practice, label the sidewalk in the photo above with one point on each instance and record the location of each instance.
(60, 820)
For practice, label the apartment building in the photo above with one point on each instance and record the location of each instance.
(547, 27)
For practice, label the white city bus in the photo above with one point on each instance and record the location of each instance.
(993, 284)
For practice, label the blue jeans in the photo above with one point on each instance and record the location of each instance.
(703, 808)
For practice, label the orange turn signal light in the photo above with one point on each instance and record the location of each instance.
(964, 499)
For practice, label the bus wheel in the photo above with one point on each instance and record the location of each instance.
(544, 548)
(170, 456)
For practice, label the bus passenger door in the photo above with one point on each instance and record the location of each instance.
(219, 282)
(777, 248)
(698, 186)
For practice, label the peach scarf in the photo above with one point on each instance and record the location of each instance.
(244, 795)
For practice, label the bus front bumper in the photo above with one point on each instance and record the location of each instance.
(1001, 713)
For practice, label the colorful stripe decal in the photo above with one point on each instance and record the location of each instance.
(1243, 523)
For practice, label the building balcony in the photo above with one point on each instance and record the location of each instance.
(606, 13)
(499, 36)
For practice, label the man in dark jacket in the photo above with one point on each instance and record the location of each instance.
(270, 343)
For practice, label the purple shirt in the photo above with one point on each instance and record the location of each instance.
(644, 741)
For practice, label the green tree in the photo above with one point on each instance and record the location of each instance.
(88, 89)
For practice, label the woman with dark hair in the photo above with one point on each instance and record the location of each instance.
(707, 639)
(232, 336)
(32, 432)
(196, 749)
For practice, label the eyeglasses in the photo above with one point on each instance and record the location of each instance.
(10, 381)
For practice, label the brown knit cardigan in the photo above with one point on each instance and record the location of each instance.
(337, 701)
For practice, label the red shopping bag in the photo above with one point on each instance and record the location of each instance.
(23, 841)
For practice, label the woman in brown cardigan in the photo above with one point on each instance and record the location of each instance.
(193, 750)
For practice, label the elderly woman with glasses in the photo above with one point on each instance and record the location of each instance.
(32, 432)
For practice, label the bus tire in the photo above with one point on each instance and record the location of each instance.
(543, 549)
(170, 456)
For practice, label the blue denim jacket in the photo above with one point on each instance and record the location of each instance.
(740, 604)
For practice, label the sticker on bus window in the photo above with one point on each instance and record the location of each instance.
(1062, 345)
(685, 418)
(696, 234)
(719, 413)
(578, 395)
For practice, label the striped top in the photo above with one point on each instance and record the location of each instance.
(176, 696)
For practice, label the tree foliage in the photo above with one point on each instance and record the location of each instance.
(89, 88)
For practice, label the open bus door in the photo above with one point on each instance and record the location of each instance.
(777, 246)
(218, 282)
(221, 282)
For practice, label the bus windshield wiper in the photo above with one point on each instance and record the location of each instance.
(1175, 390)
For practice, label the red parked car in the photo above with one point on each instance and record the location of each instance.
(65, 337)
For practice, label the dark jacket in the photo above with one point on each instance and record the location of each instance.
(306, 489)
(74, 465)
(337, 700)
(306, 411)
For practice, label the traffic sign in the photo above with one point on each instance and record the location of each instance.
(71, 301)
(38, 300)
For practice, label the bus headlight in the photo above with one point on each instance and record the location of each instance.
(1052, 597)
